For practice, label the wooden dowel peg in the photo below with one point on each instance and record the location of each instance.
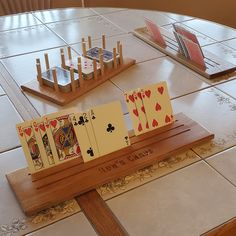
(101, 61)
(39, 72)
(89, 42)
(84, 49)
(118, 46)
(63, 62)
(103, 41)
(95, 69)
(79, 60)
(114, 58)
(69, 53)
(83, 40)
(54, 75)
(46, 61)
(72, 78)
(121, 54)
(81, 79)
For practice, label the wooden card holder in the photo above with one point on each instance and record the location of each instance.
(61, 98)
(63, 182)
(214, 65)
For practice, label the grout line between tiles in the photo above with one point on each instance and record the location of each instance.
(9, 149)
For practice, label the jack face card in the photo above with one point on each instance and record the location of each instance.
(62, 138)
(80, 121)
(30, 147)
(42, 141)
(154, 32)
(141, 110)
(133, 111)
(109, 127)
(157, 105)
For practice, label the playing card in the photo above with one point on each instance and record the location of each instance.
(61, 135)
(133, 112)
(157, 105)
(109, 127)
(141, 110)
(42, 141)
(86, 64)
(154, 32)
(194, 51)
(30, 147)
(79, 121)
(182, 47)
(93, 53)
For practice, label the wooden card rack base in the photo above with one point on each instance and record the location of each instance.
(61, 98)
(214, 65)
(66, 181)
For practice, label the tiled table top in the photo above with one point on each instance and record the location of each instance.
(187, 194)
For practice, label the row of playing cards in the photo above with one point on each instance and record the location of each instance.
(66, 135)
(149, 107)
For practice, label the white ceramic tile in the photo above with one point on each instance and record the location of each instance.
(23, 67)
(8, 119)
(73, 225)
(211, 29)
(17, 21)
(231, 43)
(101, 10)
(225, 163)
(105, 93)
(27, 40)
(9, 207)
(132, 19)
(214, 110)
(131, 45)
(63, 14)
(223, 52)
(12, 219)
(228, 87)
(1, 91)
(203, 39)
(72, 31)
(177, 17)
(188, 202)
(180, 80)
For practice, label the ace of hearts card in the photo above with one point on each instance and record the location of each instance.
(34, 157)
(109, 127)
(61, 135)
(157, 105)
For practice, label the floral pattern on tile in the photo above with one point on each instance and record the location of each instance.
(147, 174)
(20, 226)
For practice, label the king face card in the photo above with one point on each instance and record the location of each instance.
(42, 141)
(157, 105)
(62, 138)
(80, 121)
(30, 147)
(109, 127)
(133, 112)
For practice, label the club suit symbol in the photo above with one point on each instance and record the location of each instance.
(110, 128)
(90, 152)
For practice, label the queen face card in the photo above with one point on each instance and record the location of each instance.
(109, 127)
(157, 105)
(30, 147)
(88, 147)
(42, 141)
(155, 32)
(62, 138)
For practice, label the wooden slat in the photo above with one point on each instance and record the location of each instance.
(214, 65)
(99, 214)
(61, 98)
(143, 153)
